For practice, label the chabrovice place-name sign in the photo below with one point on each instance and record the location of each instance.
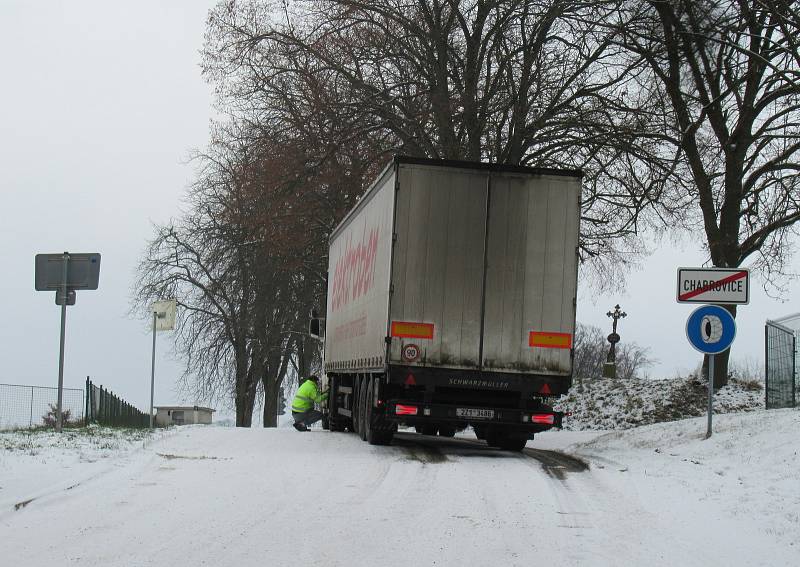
(723, 286)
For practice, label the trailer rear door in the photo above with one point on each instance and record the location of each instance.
(438, 266)
(531, 273)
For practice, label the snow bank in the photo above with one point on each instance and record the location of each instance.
(622, 404)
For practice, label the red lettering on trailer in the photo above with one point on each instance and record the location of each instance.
(354, 273)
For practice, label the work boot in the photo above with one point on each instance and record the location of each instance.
(300, 426)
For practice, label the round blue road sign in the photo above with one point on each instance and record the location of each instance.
(711, 329)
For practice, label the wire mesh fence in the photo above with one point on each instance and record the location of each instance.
(103, 407)
(781, 375)
(34, 406)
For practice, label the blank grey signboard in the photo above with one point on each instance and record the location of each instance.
(83, 271)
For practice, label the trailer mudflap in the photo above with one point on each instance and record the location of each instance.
(416, 413)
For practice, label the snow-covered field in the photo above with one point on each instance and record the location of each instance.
(654, 495)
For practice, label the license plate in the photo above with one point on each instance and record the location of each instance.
(475, 413)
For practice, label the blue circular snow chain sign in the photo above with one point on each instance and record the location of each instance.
(711, 329)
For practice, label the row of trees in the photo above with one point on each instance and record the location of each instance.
(683, 114)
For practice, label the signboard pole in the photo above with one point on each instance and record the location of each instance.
(710, 392)
(65, 273)
(711, 330)
(153, 369)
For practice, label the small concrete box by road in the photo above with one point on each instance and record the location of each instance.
(182, 415)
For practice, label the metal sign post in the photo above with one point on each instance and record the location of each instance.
(64, 273)
(153, 369)
(711, 330)
(163, 320)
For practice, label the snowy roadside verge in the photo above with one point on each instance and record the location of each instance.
(34, 463)
(749, 468)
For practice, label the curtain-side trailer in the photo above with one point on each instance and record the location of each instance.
(451, 301)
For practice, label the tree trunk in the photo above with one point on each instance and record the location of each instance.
(270, 417)
(244, 418)
(245, 398)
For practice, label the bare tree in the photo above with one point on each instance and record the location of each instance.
(511, 81)
(211, 260)
(729, 75)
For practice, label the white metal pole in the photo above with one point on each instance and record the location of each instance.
(64, 275)
(710, 392)
(153, 369)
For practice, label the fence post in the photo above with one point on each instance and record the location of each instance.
(86, 405)
(31, 418)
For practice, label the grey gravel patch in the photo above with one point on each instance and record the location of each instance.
(21, 505)
(425, 454)
(170, 456)
(557, 464)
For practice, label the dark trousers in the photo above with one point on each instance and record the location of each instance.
(307, 417)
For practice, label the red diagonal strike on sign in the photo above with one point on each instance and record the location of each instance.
(699, 290)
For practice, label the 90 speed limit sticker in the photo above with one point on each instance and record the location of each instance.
(410, 352)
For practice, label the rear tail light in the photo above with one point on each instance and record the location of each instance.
(400, 409)
(543, 418)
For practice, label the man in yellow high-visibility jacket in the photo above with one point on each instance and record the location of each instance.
(303, 410)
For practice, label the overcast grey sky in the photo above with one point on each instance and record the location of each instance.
(100, 105)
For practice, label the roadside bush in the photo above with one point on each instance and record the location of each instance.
(51, 417)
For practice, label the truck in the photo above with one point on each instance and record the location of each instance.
(451, 302)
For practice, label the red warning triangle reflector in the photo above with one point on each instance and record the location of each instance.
(545, 389)
(410, 380)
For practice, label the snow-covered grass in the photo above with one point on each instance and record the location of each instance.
(606, 404)
(90, 442)
(34, 462)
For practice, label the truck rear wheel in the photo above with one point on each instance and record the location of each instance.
(354, 418)
(505, 441)
(447, 431)
(335, 421)
(378, 430)
(429, 429)
(513, 444)
(362, 408)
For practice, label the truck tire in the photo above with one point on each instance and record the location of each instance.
(429, 429)
(515, 444)
(335, 421)
(505, 441)
(378, 430)
(354, 418)
(492, 437)
(362, 408)
(447, 431)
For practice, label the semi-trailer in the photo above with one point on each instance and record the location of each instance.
(451, 301)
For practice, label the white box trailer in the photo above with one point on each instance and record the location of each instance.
(451, 296)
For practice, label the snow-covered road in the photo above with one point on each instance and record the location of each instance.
(219, 496)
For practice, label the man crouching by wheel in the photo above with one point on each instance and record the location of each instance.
(303, 410)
